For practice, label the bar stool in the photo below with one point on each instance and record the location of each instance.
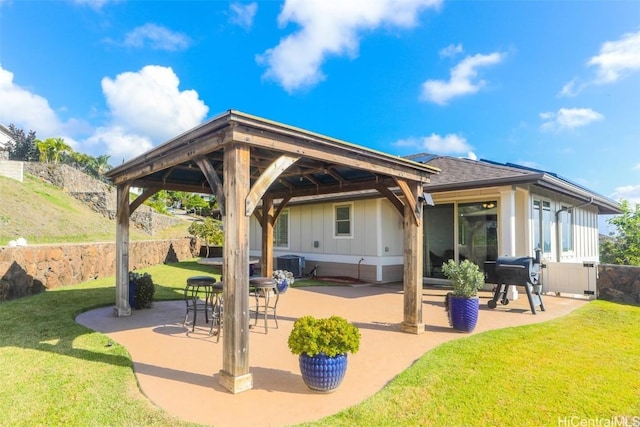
(195, 286)
(217, 309)
(264, 289)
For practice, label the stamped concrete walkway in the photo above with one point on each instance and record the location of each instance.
(178, 369)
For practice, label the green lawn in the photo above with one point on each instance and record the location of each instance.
(585, 365)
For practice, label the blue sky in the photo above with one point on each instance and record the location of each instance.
(549, 84)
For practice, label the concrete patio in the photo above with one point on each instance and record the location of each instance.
(177, 369)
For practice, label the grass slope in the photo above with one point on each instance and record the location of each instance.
(43, 213)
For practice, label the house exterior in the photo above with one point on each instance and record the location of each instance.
(5, 140)
(481, 210)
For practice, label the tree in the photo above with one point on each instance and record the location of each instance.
(52, 149)
(624, 248)
(210, 230)
(23, 146)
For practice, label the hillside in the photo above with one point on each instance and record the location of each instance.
(43, 213)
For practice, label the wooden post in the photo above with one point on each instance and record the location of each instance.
(235, 375)
(267, 236)
(413, 237)
(122, 307)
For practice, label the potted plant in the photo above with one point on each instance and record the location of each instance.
(141, 290)
(463, 303)
(284, 279)
(322, 345)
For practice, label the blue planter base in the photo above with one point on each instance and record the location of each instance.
(463, 313)
(323, 373)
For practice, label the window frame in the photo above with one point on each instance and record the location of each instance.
(277, 232)
(337, 235)
(541, 216)
(566, 220)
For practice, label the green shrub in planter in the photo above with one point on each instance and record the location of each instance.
(330, 336)
(466, 278)
(144, 290)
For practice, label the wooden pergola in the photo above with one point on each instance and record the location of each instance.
(255, 167)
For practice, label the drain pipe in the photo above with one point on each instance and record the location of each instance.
(559, 228)
(361, 259)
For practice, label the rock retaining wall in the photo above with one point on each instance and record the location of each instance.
(26, 270)
(619, 283)
(98, 195)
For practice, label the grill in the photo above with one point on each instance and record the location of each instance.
(515, 271)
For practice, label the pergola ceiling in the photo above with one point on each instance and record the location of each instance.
(308, 163)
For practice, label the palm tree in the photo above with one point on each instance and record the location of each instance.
(51, 149)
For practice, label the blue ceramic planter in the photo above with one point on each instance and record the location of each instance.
(282, 286)
(463, 313)
(321, 372)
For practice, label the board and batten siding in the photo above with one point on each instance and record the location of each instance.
(376, 237)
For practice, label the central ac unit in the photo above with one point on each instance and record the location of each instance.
(292, 263)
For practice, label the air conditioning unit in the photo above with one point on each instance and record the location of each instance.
(292, 263)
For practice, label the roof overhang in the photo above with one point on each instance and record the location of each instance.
(605, 205)
(313, 164)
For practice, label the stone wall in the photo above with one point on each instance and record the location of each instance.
(619, 283)
(99, 196)
(26, 270)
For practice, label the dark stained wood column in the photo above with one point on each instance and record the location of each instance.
(235, 375)
(122, 307)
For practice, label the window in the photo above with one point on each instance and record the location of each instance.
(542, 225)
(281, 230)
(343, 221)
(477, 231)
(566, 221)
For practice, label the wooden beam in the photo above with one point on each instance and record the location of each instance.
(327, 152)
(412, 275)
(146, 193)
(391, 196)
(214, 181)
(267, 223)
(180, 154)
(264, 181)
(122, 307)
(410, 197)
(235, 375)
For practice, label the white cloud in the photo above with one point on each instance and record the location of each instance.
(30, 111)
(460, 80)
(630, 193)
(156, 37)
(451, 50)
(570, 89)
(330, 28)
(149, 104)
(243, 14)
(436, 144)
(120, 144)
(617, 58)
(569, 118)
(146, 107)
